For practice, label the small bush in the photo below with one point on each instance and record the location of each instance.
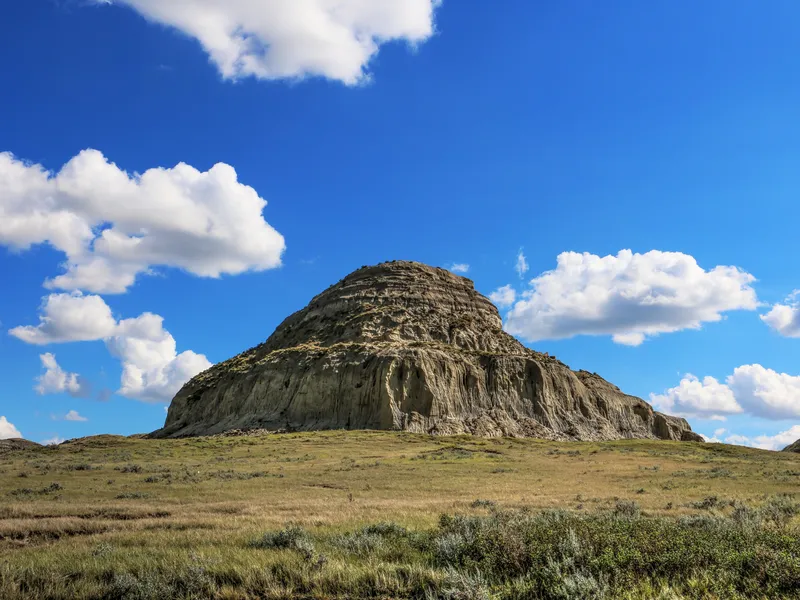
(131, 469)
(780, 510)
(360, 543)
(132, 496)
(386, 529)
(81, 467)
(291, 538)
(708, 503)
(460, 585)
(627, 509)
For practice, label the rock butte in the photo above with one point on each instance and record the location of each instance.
(404, 346)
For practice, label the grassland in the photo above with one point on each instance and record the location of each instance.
(393, 515)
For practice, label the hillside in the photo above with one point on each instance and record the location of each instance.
(357, 514)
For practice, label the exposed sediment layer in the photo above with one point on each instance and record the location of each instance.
(406, 346)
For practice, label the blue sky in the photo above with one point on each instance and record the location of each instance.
(449, 133)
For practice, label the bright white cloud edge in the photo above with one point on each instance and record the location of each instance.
(779, 441)
(57, 381)
(785, 318)
(152, 369)
(750, 389)
(75, 417)
(628, 296)
(288, 39)
(7, 430)
(113, 226)
(503, 297)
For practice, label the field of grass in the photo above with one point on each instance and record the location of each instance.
(394, 515)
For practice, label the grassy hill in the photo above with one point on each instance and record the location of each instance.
(396, 515)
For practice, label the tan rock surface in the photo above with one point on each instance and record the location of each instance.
(408, 347)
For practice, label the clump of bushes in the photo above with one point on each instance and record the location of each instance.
(566, 555)
(290, 538)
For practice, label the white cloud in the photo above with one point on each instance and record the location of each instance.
(720, 432)
(766, 393)
(706, 399)
(75, 416)
(636, 338)
(503, 297)
(460, 268)
(628, 296)
(113, 226)
(7, 430)
(277, 39)
(778, 441)
(739, 440)
(751, 389)
(69, 318)
(57, 381)
(767, 442)
(152, 369)
(785, 318)
(521, 267)
(53, 441)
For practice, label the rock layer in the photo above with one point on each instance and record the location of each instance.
(16, 444)
(404, 346)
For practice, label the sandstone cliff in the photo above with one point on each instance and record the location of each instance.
(405, 346)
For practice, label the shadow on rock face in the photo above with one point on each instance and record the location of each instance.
(405, 346)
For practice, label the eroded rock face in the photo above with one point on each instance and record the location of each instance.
(405, 346)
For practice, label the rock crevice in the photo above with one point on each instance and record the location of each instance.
(404, 346)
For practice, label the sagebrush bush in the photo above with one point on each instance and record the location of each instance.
(290, 538)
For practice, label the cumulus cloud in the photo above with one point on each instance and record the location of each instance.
(152, 369)
(628, 296)
(766, 393)
(7, 430)
(69, 318)
(706, 399)
(503, 297)
(767, 442)
(785, 318)
(751, 389)
(277, 39)
(57, 381)
(113, 226)
(521, 266)
(460, 268)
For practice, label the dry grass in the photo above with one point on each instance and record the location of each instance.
(135, 506)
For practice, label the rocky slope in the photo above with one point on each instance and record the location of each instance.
(405, 346)
(793, 447)
(16, 444)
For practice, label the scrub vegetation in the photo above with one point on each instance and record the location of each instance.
(396, 515)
